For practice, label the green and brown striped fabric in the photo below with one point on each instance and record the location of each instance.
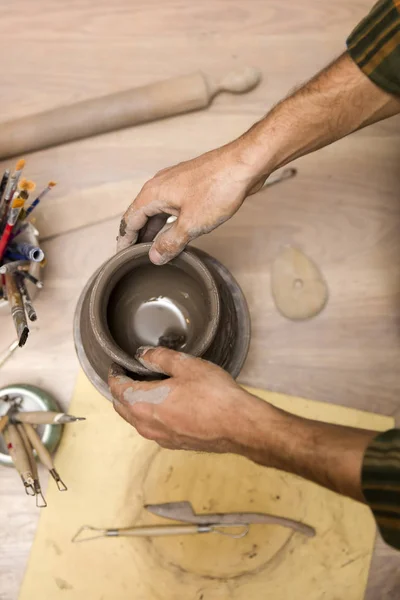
(374, 45)
(381, 483)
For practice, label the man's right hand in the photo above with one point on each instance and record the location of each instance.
(202, 193)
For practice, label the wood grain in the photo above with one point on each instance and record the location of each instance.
(343, 209)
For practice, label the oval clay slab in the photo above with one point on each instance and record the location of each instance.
(298, 287)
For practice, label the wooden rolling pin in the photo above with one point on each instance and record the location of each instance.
(115, 111)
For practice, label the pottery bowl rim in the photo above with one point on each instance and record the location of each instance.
(101, 285)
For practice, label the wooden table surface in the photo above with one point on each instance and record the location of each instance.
(343, 209)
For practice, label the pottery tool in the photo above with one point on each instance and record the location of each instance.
(16, 449)
(30, 277)
(17, 309)
(119, 110)
(14, 266)
(223, 523)
(271, 561)
(16, 207)
(3, 422)
(153, 531)
(297, 285)
(8, 352)
(44, 455)
(26, 299)
(45, 417)
(40, 501)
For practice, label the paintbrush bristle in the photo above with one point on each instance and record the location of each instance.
(20, 164)
(31, 185)
(26, 185)
(51, 184)
(22, 183)
(18, 203)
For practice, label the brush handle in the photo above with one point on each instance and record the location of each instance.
(5, 238)
(116, 111)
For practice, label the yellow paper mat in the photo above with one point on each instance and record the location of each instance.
(112, 472)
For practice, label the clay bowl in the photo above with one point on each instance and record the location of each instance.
(135, 303)
(192, 304)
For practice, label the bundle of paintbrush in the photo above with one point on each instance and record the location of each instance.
(23, 443)
(17, 253)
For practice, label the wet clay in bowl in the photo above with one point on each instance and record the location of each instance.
(192, 304)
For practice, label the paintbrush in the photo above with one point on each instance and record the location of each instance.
(45, 417)
(4, 287)
(42, 194)
(10, 191)
(31, 278)
(44, 455)
(26, 299)
(16, 449)
(25, 188)
(17, 309)
(3, 184)
(40, 501)
(16, 207)
(10, 267)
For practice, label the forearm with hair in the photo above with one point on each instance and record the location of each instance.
(337, 101)
(330, 455)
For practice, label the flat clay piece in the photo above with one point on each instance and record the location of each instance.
(297, 285)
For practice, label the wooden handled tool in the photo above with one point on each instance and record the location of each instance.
(44, 417)
(44, 455)
(40, 501)
(3, 422)
(16, 449)
(123, 109)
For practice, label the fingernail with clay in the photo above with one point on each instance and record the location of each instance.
(140, 351)
(157, 258)
(116, 370)
(139, 356)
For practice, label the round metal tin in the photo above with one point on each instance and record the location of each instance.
(33, 399)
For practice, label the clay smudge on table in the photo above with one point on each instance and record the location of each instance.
(156, 395)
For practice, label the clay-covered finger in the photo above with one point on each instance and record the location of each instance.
(129, 392)
(162, 360)
(170, 242)
(136, 217)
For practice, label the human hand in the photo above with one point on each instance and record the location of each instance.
(202, 193)
(200, 407)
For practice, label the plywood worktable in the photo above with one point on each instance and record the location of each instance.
(343, 209)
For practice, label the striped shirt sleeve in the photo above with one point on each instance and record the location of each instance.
(374, 45)
(381, 483)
